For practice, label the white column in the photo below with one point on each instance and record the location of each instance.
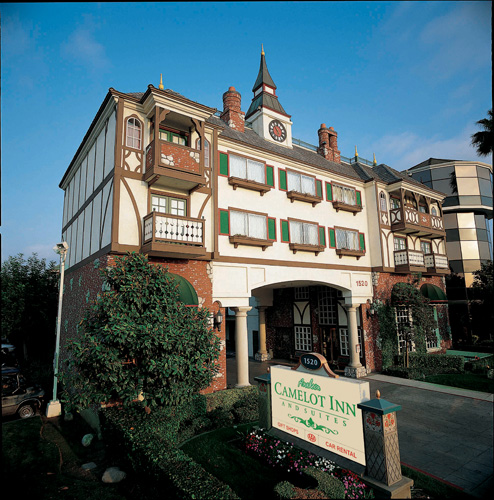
(353, 336)
(241, 345)
(262, 355)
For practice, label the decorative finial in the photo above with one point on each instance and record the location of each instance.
(356, 154)
(262, 49)
(161, 82)
(374, 162)
(378, 395)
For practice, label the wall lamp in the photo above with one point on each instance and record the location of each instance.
(371, 311)
(218, 319)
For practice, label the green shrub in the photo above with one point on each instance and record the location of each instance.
(422, 365)
(331, 486)
(479, 365)
(233, 406)
(284, 490)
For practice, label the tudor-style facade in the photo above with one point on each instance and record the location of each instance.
(244, 212)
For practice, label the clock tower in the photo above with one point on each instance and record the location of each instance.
(266, 115)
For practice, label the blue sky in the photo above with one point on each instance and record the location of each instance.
(404, 80)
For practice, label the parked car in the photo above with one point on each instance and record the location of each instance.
(8, 355)
(18, 396)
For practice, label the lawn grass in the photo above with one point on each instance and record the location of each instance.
(471, 381)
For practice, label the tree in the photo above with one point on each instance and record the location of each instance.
(137, 341)
(483, 298)
(483, 141)
(29, 305)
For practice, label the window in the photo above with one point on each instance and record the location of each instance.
(344, 194)
(169, 205)
(247, 224)
(207, 151)
(175, 137)
(400, 243)
(301, 183)
(304, 233)
(245, 168)
(403, 324)
(134, 133)
(327, 304)
(344, 341)
(302, 293)
(382, 202)
(347, 239)
(425, 246)
(433, 343)
(394, 203)
(303, 338)
(423, 209)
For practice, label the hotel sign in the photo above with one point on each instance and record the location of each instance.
(319, 409)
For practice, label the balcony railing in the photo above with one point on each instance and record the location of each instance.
(409, 219)
(437, 263)
(173, 234)
(409, 260)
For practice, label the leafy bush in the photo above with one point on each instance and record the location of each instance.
(284, 490)
(479, 365)
(233, 406)
(138, 341)
(330, 485)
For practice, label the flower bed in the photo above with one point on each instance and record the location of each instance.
(283, 455)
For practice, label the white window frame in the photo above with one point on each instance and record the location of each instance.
(423, 245)
(383, 204)
(345, 340)
(170, 205)
(403, 316)
(133, 133)
(399, 243)
(303, 338)
(301, 293)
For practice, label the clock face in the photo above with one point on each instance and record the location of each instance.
(277, 131)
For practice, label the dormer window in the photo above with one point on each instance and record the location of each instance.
(133, 133)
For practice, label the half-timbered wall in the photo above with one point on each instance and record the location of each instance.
(87, 213)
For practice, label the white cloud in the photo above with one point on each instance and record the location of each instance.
(83, 48)
(406, 149)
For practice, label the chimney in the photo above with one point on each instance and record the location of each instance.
(328, 143)
(232, 114)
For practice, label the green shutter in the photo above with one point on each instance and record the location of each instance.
(223, 164)
(285, 234)
(359, 198)
(271, 229)
(332, 238)
(319, 188)
(322, 235)
(362, 241)
(329, 191)
(224, 222)
(282, 174)
(270, 175)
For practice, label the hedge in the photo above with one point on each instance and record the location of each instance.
(422, 365)
(149, 442)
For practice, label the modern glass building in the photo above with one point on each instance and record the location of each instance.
(467, 219)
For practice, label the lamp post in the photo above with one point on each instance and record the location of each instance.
(54, 408)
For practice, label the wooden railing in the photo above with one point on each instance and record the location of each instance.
(173, 228)
(409, 258)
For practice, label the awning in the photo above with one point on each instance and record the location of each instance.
(187, 293)
(433, 293)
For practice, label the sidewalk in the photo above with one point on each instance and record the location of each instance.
(443, 431)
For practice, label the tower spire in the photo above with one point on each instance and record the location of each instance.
(161, 86)
(262, 49)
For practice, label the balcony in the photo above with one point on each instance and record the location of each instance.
(173, 236)
(409, 220)
(436, 263)
(409, 261)
(174, 165)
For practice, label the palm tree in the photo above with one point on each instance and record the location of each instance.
(483, 140)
